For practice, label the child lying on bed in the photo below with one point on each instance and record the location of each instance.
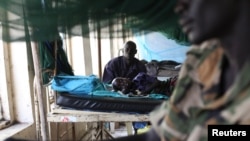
(144, 84)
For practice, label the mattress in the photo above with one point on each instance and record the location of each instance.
(107, 104)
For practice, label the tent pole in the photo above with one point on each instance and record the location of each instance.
(39, 92)
(99, 49)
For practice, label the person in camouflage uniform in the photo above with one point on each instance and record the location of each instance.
(198, 100)
(213, 86)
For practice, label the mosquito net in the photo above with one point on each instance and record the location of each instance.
(42, 20)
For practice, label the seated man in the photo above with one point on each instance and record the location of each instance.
(124, 66)
(144, 84)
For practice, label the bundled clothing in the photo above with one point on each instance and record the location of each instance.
(54, 60)
(147, 84)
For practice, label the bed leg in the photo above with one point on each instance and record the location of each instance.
(129, 128)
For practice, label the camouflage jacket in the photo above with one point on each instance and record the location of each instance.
(196, 103)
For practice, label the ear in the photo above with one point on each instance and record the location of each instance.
(135, 51)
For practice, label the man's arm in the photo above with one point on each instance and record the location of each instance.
(108, 74)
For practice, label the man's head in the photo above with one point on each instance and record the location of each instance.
(205, 19)
(121, 84)
(129, 50)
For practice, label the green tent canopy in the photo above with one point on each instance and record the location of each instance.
(42, 20)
